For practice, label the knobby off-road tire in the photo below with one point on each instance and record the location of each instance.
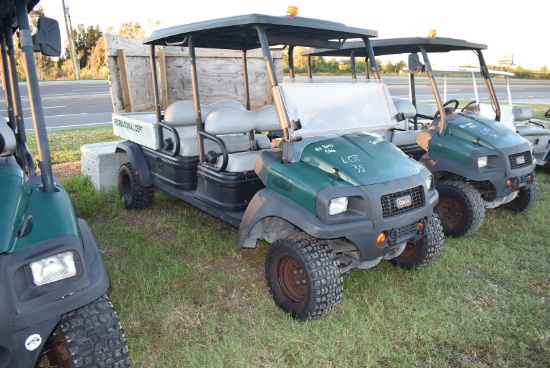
(303, 276)
(460, 208)
(525, 200)
(425, 250)
(90, 336)
(135, 196)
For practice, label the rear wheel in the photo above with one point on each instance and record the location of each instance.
(135, 196)
(525, 199)
(460, 208)
(90, 336)
(425, 250)
(303, 276)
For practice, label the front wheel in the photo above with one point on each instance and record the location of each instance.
(460, 208)
(303, 276)
(525, 199)
(135, 196)
(90, 336)
(425, 250)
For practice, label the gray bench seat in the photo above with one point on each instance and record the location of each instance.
(181, 116)
(228, 120)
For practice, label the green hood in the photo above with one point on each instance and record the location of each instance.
(482, 131)
(361, 159)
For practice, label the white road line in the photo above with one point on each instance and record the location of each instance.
(73, 126)
(53, 116)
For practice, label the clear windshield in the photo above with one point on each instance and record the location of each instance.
(329, 108)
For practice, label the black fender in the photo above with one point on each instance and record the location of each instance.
(138, 162)
(268, 203)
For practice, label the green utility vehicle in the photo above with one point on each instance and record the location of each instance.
(517, 118)
(300, 174)
(477, 162)
(53, 307)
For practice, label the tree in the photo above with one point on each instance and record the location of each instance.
(86, 40)
(132, 30)
(97, 63)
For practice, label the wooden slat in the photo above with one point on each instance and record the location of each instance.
(124, 80)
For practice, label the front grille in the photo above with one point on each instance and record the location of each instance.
(389, 201)
(524, 159)
(406, 232)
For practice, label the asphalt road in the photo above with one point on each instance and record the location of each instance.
(85, 103)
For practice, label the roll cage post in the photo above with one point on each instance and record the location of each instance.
(373, 65)
(436, 91)
(27, 48)
(281, 112)
(412, 93)
(245, 76)
(485, 73)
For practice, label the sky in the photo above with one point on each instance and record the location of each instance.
(520, 30)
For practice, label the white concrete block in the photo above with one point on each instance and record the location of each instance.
(101, 163)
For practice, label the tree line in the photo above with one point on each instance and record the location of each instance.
(92, 56)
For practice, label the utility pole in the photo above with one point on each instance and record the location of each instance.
(72, 48)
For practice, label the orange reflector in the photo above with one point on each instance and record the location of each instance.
(381, 238)
(420, 225)
(432, 33)
(529, 178)
(292, 11)
(508, 184)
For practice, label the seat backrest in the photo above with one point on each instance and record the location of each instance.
(7, 138)
(181, 113)
(232, 120)
(522, 113)
(406, 108)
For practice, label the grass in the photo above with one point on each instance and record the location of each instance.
(187, 298)
(65, 144)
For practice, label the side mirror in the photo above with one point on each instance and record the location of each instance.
(48, 38)
(415, 66)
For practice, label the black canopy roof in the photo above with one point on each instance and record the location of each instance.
(239, 32)
(392, 46)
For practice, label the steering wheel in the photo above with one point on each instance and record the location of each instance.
(445, 105)
(468, 105)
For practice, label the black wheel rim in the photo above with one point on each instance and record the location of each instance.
(126, 186)
(450, 212)
(292, 280)
(408, 251)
